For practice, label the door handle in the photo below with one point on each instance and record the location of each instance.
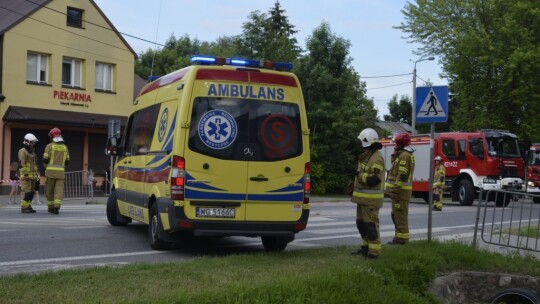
(258, 178)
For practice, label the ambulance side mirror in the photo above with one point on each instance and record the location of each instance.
(112, 147)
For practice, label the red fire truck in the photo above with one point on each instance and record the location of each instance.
(485, 159)
(533, 171)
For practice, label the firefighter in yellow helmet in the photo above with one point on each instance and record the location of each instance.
(28, 171)
(399, 187)
(55, 158)
(368, 193)
(438, 184)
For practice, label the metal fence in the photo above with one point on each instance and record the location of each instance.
(514, 226)
(79, 184)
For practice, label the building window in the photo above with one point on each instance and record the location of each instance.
(74, 17)
(71, 72)
(104, 76)
(37, 68)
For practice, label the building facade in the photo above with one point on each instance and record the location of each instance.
(62, 64)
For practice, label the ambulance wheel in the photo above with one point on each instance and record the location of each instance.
(275, 243)
(153, 230)
(536, 200)
(113, 215)
(466, 192)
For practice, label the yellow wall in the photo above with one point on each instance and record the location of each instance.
(46, 32)
(61, 41)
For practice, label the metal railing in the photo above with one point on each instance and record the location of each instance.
(79, 184)
(515, 225)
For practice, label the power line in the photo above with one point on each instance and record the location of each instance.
(94, 24)
(384, 76)
(394, 85)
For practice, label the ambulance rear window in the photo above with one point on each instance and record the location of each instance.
(245, 129)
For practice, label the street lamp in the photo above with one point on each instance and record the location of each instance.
(414, 93)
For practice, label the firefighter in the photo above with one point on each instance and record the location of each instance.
(28, 171)
(438, 184)
(55, 158)
(368, 193)
(399, 186)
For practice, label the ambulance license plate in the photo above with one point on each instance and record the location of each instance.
(215, 212)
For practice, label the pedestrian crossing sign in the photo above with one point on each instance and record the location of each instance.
(431, 104)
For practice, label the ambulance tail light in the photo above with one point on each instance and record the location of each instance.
(178, 178)
(307, 182)
(211, 60)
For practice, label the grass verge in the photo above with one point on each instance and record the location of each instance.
(328, 275)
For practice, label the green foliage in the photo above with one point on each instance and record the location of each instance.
(337, 107)
(490, 53)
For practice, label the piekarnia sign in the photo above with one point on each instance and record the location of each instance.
(72, 98)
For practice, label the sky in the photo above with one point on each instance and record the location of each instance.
(377, 49)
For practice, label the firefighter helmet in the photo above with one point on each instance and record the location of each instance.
(402, 140)
(56, 135)
(28, 138)
(368, 137)
(438, 158)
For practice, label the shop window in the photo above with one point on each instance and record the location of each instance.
(37, 68)
(74, 17)
(72, 72)
(104, 77)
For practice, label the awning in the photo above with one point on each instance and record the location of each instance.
(60, 118)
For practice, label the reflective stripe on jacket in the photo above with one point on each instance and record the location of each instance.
(370, 163)
(57, 154)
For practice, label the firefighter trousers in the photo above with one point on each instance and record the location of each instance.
(437, 198)
(400, 217)
(54, 191)
(367, 222)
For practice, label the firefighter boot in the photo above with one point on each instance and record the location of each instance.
(28, 210)
(55, 211)
(362, 251)
(50, 209)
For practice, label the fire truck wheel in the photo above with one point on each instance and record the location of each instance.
(536, 200)
(154, 230)
(466, 192)
(113, 215)
(503, 200)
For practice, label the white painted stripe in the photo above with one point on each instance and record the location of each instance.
(84, 227)
(86, 257)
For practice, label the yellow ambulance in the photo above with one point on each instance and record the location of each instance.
(219, 148)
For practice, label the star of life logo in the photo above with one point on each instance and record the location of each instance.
(217, 129)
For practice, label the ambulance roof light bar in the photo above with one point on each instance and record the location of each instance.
(212, 60)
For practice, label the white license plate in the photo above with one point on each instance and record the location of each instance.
(215, 212)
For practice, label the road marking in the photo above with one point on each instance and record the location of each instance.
(77, 258)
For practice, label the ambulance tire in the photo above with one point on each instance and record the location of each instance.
(536, 200)
(466, 192)
(275, 243)
(113, 215)
(154, 228)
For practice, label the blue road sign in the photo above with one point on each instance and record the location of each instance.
(431, 104)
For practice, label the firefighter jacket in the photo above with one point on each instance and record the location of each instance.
(55, 157)
(369, 180)
(400, 176)
(438, 179)
(27, 158)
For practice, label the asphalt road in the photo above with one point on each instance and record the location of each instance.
(80, 236)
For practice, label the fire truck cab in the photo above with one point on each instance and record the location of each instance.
(482, 160)
(533, 171)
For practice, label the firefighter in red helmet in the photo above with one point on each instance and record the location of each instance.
(28, 171)
(399, 186)
(55, 159)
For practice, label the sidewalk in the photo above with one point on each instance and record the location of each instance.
(4, 200)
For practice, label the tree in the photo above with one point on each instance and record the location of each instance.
(337, 108)
(399, 111)
(490, 52)
(269, 36)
